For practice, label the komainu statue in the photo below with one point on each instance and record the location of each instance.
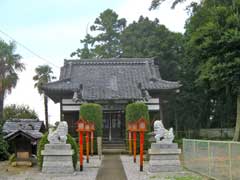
(163, 135)
(58, 136)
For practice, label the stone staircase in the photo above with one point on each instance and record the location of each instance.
(115, 146)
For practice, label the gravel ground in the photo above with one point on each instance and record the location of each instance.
(32, 173)
(132, 171)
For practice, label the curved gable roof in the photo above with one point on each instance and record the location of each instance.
(105, 79)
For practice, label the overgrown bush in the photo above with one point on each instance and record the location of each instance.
(3, 145)
(3, 149)
(74, 146)
(12, 158)
(93, 113)
(44, 141)
(40, 147)
(134, 112)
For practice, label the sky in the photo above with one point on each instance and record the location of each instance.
(52, 29)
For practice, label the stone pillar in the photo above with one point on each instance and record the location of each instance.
(99, 147)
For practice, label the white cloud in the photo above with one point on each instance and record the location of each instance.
(172, 19)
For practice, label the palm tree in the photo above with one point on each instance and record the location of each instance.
(9, 66)
(43, 76)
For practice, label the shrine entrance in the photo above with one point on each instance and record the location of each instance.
(113, 125)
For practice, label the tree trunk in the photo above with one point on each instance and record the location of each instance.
(237, 128)
(1, 106)
(46, 110)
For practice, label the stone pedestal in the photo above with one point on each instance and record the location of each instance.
(164, 158)
(57, 158)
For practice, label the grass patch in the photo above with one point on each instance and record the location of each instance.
(178, 178)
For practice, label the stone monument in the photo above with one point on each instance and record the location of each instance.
(57, 155)
(164, 154)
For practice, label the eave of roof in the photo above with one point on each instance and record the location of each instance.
(70, 82)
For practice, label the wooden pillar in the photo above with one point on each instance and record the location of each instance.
(61, 113)
(161, 109)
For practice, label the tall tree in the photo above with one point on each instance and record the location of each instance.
(106, 43)
(213, 38)
(156, 3)
(10, 65)
(146, 38)
(43, 76)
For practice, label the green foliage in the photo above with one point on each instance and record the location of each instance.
(93, 113)
(43, 76)
(10, 65)
(3, 146)
(74, 146)
(134, 112)
(12, 158)
(44, 141)
(106, 44)
(3, 149)
(40, 147)
(19, 112)
(147, 38)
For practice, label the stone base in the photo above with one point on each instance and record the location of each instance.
(164, 158)
(57, 158)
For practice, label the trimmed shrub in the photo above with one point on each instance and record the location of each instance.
(134, 112)
(44, 140)
(93, 113)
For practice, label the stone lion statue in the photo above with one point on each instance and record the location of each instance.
(162, 135)
(58, 136)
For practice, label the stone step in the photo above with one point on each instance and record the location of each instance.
(164, 168)
(106, 146)
(164, 157)
(164, 163)
(156, 146)
(22, 163)
(164, 151)
(115, 151)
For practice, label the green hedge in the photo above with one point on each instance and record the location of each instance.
(134, 112)
(44, 141)
(93, 113)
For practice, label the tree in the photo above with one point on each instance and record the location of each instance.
(147, 38)
(107, 43)
(156, 3)
(213, 38)
(19, 112)
(43, 76)
(10, 65)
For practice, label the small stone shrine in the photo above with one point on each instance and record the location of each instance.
(57, 155)
(164, 154)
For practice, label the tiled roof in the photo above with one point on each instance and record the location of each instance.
(30, 127)
(105, 79)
